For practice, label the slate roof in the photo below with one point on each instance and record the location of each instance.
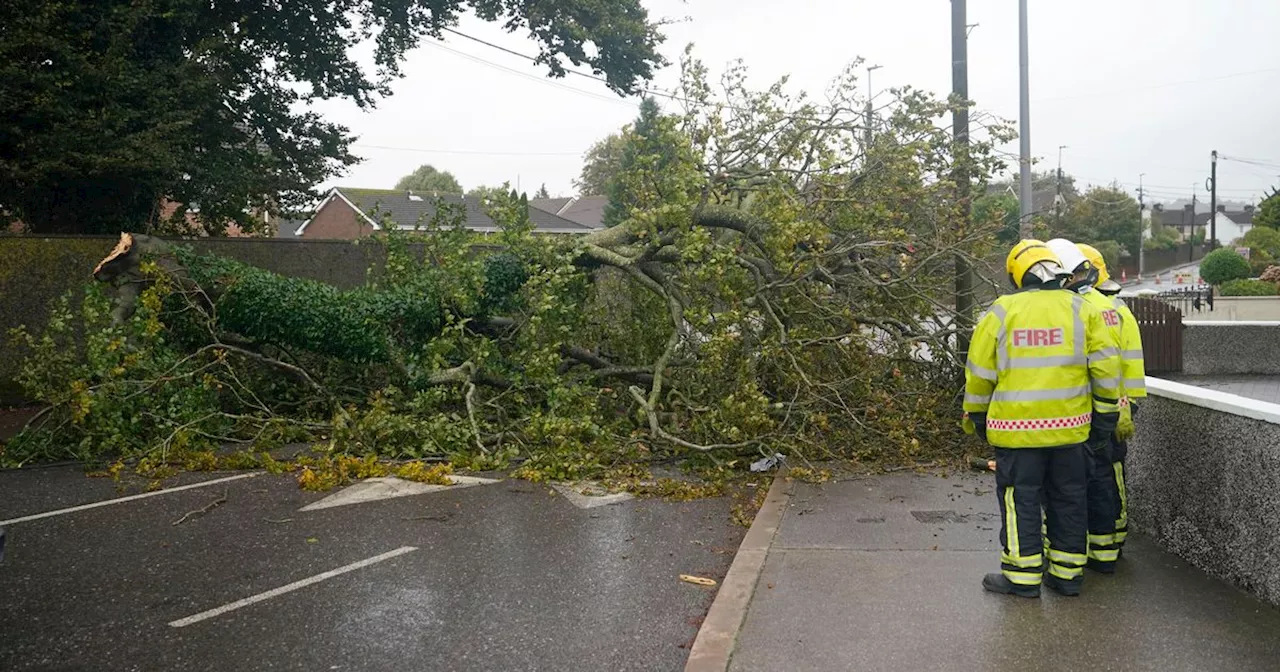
(410, 209)
(584, 210)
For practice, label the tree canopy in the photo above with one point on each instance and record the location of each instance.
(602, 161)
(428, 179)
(108, 107)
(1268, 213)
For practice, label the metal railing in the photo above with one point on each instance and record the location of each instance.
(1189, 300)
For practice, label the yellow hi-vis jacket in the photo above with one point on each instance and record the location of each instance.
(1042, 367)
(1115, 323)
(1133, 368)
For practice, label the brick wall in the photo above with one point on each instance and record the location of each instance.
(336, 220)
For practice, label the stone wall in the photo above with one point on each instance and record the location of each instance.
(1204, 482)
(37, 270)
(1230, 348)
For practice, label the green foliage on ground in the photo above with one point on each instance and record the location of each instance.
(1223, 265)
(769, 284)
(1247, 287)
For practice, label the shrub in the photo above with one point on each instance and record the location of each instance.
(1248, 288)
(1260, 261)
(1220, 266)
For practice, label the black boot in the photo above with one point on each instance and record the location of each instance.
(997, 583)
(1101, 567)
(1063, 587)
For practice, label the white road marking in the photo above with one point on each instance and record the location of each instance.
(205, 615)
(374, 489)
(589, 494)
(130, 498)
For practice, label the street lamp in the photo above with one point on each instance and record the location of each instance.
(870, 114)
(1024, 130)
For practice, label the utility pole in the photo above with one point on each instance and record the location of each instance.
(1191, 238)
(1057, 199)
(869, 117)
(1142, 229)
(1213, 202)
(960, 174)
(1024, 130)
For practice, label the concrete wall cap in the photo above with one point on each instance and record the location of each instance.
(1230, 323)
(1214, 400)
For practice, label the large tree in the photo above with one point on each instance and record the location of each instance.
(656, 167)
(1100, 214)
(107, 107)
(427, 179)
(600, 164)
(769, 287)
(1268, 214)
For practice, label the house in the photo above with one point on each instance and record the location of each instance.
(584, 210)
(349, 213)
(1232, 220)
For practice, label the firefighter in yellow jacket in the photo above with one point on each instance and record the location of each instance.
(1041, 378)
(1103, 494)
(1134, 376)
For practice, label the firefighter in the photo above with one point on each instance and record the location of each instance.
(1103, 493)
(1038, 384)
(1134, 378)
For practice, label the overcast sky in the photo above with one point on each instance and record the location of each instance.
(1130, 86)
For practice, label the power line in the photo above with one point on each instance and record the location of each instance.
(571, 71)
(544, 80)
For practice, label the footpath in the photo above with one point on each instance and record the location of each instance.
(884, 573)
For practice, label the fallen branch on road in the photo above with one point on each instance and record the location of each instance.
(200, 512)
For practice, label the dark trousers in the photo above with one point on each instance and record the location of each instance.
(1119, 451)
(1059, 478)
(1103, 504)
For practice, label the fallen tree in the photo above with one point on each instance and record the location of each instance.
(774, 286)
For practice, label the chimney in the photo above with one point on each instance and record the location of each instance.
(1222, 208)
(1248, 208)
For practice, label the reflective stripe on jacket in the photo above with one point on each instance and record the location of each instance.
(1041, 364)
(1133, 368)
(1114, 321)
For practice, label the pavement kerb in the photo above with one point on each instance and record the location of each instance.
(719, 632)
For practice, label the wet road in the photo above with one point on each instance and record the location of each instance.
(501, 576)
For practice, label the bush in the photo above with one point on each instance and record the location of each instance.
(1262, 239)
(1260, 261)
(1248, 288)
(1220, 266)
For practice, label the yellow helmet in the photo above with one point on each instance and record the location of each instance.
(1032, 256)
(1095, 258)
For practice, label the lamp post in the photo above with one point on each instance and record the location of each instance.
(1024, 130)
(870, 114)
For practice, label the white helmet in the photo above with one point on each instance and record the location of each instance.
(1067, 252)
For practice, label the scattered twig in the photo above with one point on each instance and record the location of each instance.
(201, 511)
(282, 520)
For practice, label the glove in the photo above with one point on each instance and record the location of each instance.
(1103, 426)
(976, 423)
(1125, 428)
